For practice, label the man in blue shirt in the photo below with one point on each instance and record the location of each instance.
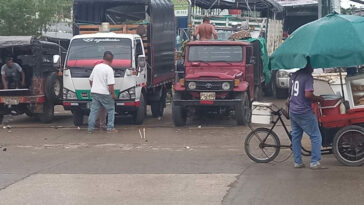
(302, 117)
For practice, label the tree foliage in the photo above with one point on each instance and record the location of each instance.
(29, 17)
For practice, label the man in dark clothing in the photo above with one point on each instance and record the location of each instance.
(10, 74)
(302, 117)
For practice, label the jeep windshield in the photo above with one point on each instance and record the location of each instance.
(216, 53)
(86, 52)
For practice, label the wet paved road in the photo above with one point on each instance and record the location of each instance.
(60, 164)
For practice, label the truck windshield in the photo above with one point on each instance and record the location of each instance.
(94, 48)
(216, 53)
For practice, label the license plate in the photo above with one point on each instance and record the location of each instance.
(11, 101)
(207, 96)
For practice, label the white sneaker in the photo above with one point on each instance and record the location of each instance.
(296, 165)
(316, 166)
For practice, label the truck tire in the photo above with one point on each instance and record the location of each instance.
(158, 107)
(48, 113)
(243, 111)
(77, 117)
(139, 115)
(1, 119)
(53, 88)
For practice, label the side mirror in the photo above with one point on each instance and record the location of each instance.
(141, 62)
(252, 60)
(57, 61)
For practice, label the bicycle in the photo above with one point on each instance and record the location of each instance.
(269, 144)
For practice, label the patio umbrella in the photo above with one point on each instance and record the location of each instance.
(332, 41)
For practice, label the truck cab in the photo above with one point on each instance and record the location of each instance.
(86, 51)
(217, 74)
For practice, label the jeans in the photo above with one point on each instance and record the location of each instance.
(98, 101)
(305, 123)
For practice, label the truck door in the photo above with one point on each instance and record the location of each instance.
(249, 71)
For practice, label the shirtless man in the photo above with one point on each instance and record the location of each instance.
(205, 31)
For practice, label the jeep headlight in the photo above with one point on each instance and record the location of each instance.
(70, 95)
(225, 86)
(192, 85)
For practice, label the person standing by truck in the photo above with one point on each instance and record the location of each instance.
(206, 31)
(102, 83)
(303, 118)
(10, 74)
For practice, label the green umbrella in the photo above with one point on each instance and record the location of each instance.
(332, 41)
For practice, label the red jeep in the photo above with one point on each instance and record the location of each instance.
(223, 75)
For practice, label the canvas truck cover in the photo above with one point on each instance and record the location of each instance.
(157, 14)
(9, 41)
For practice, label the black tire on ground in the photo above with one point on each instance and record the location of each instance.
(77, 117)
(139, 115)
(348, 145)
(1, 119)
(268, 153)
(157, 108)
(243, 111)
(179, 113)
(53, 88)
(48, 113)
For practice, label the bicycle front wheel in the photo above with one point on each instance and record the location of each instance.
(262, 145)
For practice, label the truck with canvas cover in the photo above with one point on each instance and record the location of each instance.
(30, 77)
(219, 76)
(141, 35)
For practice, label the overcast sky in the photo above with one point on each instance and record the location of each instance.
(346, 4)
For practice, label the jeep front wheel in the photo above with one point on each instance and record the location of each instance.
(179, 115)
(243, 110)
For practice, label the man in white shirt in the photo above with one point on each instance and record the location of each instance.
(102, 83)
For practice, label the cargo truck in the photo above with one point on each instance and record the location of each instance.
(141, 34)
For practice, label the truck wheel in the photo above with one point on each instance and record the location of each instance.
(179, 115)
(53, 88)
(1, 119)
(348, 145)
(158, 107)
(243, 111)
(48, 113)
(139, 115)
(77, 117)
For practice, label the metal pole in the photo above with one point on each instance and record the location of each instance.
(342, 85)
